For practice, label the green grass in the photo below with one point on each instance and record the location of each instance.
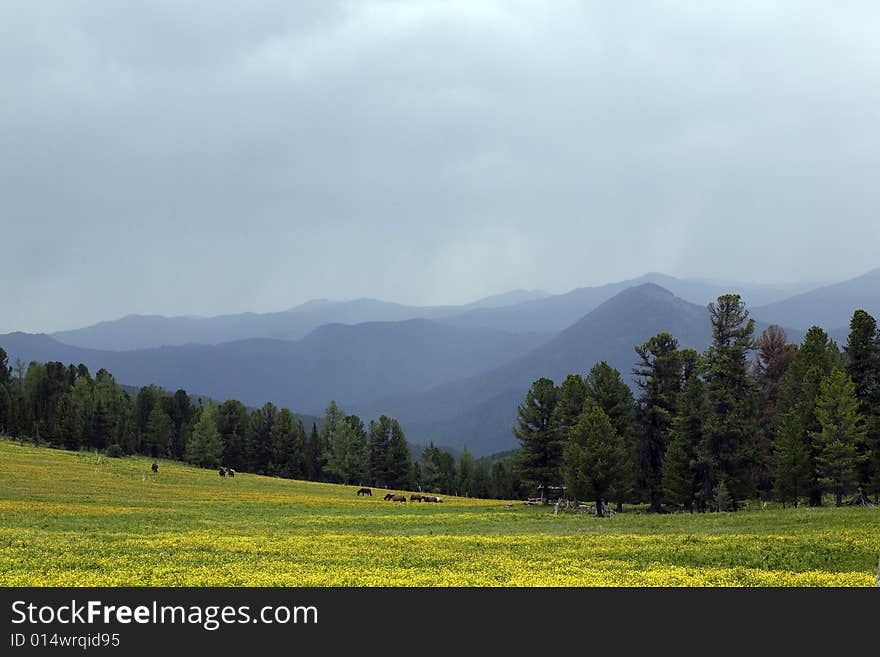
(77, 519)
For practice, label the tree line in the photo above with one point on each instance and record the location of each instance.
(66, 407)
(745, 419)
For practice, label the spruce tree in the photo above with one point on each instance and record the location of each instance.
(732, 403)
(794, 465)
(863, 366)
(399, 457)
(377, 466)
(540, 454)
(594, 458)
(659, 375)
(205, 446)
(314, 461)
(606, 387)
(841, 435)
(158, 432)
(813, 361)
(685, 477)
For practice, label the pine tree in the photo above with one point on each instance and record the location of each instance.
(594, 458)
(863, 366)
(205, 446)
(730, 438)
(773, 358)
(257, 441)
(377, 467)
(540, 454)
(286, 445)
(608, 389)
(798, 392)
(158, 433)
(794, 471)
(314, 461)
(841, 436)
(659, 375)
(399, 457)
(685, 480)
(232, 422)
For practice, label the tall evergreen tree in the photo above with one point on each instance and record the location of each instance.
(774, 354)
(157, 437)
(540, 454)
(257, 441)
(399, 457)
(732, 402)
(232, 422)
(813, 361)
(314, 459)
(685, 475)
(863, 366)
(286, 444)
(794, 465)
(594, 458)
(377, 466)
(659, 375)
(205, 446)
(841, 435)
(606, 387)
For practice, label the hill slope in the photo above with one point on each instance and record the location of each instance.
(352, 364)
(480, 411)
(830, 307)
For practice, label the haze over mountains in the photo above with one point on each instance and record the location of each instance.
(517, 311)
(454, 375)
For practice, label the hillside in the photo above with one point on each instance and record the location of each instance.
(352, 364)
(830, 307)
(557, 312)
(480, 411)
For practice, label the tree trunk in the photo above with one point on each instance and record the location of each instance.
(838, 497)
(599, 513)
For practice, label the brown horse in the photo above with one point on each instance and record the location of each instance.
(395, 498)
(365, 491)
(416, 498)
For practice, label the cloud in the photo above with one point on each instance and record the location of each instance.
(190, 158)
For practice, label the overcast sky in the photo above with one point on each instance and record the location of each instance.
(198, 157)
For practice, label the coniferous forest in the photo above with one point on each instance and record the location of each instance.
(750, 418)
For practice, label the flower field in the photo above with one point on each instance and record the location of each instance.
(77, 519)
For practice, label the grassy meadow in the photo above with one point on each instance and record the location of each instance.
(80, 519)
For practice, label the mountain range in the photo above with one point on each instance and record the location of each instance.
(519, 311)
(454, 376)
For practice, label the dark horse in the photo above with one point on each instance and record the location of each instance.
(432, 498)
(222, 472)
(395, 498)
(416, 498)
(365, 491)
(155, 467)
(230, 472)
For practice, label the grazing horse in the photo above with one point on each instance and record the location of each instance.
(395, 498)
(230, 472)
(222, 472)
(365, 491)
(433, 498)
(416, 498)
(388, 496)
(154, 467)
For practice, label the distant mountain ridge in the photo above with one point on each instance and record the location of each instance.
(830, 307)
(518, 311)
(351, 364)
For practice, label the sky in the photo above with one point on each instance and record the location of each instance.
(185, 157)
